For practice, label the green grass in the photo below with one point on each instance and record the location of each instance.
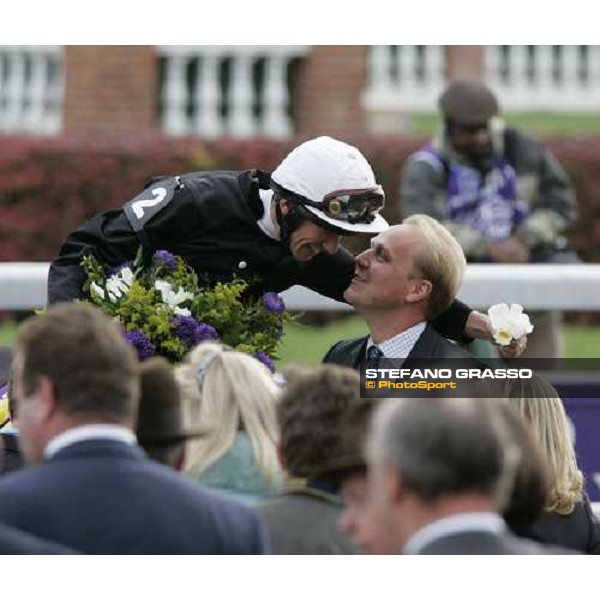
(308, 345)
(542, 123)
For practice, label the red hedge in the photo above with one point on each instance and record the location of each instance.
(48, 186)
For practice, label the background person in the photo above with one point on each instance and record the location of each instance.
(90, 487)
(323, 423)
(501, 192)
(233, 397)
(567, 519)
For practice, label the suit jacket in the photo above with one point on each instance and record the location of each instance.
(12, 460)
(578, 531)
(351, 353)
(14, 541)
(304, 521)
(486, 542)
(106, 497)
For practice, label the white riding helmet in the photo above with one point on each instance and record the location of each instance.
(335, 183)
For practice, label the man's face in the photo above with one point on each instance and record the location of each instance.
(29, 414)
(474, 141)
(385, 275)
(359, 522)
(308, 240)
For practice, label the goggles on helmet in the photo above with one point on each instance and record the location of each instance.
(353, 206)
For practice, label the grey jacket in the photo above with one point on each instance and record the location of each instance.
(541, 183)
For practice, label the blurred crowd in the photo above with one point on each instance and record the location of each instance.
(107, 455)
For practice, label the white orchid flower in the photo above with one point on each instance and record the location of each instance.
(96, 290)
(508, 323)
(182, 312)
(126, 275)
(171, 297)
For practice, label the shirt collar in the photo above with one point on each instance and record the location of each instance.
(401, 345)
(266, 224)
(89, 432)
(461, 523)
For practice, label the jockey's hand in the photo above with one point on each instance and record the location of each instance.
(479, 326)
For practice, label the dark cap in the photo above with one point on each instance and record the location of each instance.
(468, 102)
(160, 417)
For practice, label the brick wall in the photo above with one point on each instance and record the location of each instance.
(110, 88)
(330, 85)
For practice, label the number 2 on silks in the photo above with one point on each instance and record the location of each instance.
(138, 206)
(150, 202)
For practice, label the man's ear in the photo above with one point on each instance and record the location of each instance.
(285, 206)
(420, 290)
(46, 394)
(393, 485)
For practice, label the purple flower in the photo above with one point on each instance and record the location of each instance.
(273, 302)
(192, 332)
(144, 347)
(265, 359)
(166, 259)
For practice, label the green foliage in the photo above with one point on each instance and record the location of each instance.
(165, 310)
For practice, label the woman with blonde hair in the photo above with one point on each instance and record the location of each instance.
(568, 519)
(233, 397)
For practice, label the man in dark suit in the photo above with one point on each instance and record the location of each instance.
(410, 274)
(89, 486)
(14, 541)
(439, 472)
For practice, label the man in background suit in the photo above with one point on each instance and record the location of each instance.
(14, 541)
(439, 472)
(89, 486)
(409, 275)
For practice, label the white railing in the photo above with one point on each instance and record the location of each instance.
(536, 287)
(564, 78)
(31, 89)
(240, 91)
(404, 78)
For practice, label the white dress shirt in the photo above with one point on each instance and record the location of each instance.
(460, 523)
(401, 345)
(89, 432)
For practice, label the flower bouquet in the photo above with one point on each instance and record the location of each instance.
(164, 309)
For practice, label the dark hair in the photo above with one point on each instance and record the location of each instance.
(160, 429)
(445, 446)
(323, 421)
(84, 354)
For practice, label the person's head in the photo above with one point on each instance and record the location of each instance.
(160, 429)
(225, 392)
(323, 422)
(416, 266)
(468, 107)
(72, 367)
(538, 402)
(323, 189)
(433, 458)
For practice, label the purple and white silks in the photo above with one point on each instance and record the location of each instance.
(486, 202)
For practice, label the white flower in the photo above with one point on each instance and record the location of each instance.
(508, 323)
(169, 296)
(96, 290)
(182, 312)
(126, 276)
